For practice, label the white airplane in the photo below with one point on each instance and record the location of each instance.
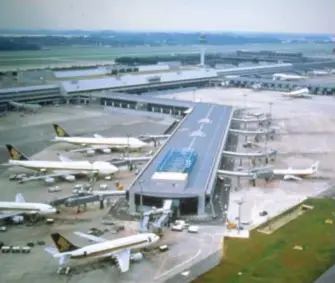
(299, 93)
(18, 207)
(25, 106)
(287, 77)
(296, 174)
(256, 87)
(320, 73)
(65, 168)
(98, 142)
(118, 249)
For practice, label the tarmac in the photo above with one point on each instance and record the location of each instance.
(185, 249)
(305, 130)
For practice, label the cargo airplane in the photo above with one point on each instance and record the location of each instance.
(118, 249)
(97, 142)
(65, 168)
(15, 209)
(299, 93)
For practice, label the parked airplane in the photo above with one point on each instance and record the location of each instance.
(25, 106)
(287, 77)
(118, 249)
(65, 168)
(296, 174)
(320, 73)
(256, 87)
(299, 93)
(97, 142)
(18, 207)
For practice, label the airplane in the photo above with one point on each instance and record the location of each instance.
(15, 209)
(25, 106)
(320, 73)
(98, 142)
(296, 174)
(65, 168)
(299, 93)
(256, 87)
(287, 77)
(118, 249)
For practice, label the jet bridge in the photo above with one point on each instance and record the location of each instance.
(266, 121)
(163, 214)
(261, 154)
(242, 174)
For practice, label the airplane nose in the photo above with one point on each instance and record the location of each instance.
(53, 210)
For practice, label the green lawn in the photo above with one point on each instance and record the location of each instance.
(271, 258)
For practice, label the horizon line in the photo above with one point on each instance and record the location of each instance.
(164, 31)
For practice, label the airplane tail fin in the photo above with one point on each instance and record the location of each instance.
(315, 166)
(98, 136)
(60, 132)
(62, 244)
(15, 154)
(19, 198)
(63, 158)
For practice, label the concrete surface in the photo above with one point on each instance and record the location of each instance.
(305, 131)
(34, 131)
(185, 249)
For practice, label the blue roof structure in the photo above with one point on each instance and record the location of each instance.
(135, 80)
(178, 161)
(27, 88)
(144, 99)
(81, 73)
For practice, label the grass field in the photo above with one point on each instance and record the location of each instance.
(97, 54)
(271, 258)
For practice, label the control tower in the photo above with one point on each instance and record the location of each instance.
(202, 41)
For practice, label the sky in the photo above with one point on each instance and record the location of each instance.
(294, 16)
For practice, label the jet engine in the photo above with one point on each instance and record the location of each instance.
(17, 219)
(49, 180)
(90, 152)
(70, 178)
(106, 150)
(136, 257)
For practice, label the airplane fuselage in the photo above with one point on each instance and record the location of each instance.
(109, 247)
(110, 142)
(27, 207)
(293, 172)
(102, 168)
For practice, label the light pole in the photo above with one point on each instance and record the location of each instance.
(141, 200)
(239, 202)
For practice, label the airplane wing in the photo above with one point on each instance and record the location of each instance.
(90, 237)
(292, 177)
(33, 178)
(123, 259)
(5, 214)
(97, 147)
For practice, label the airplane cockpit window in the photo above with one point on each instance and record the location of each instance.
(149, 239)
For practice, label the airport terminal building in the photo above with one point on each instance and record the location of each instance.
(185, 168)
